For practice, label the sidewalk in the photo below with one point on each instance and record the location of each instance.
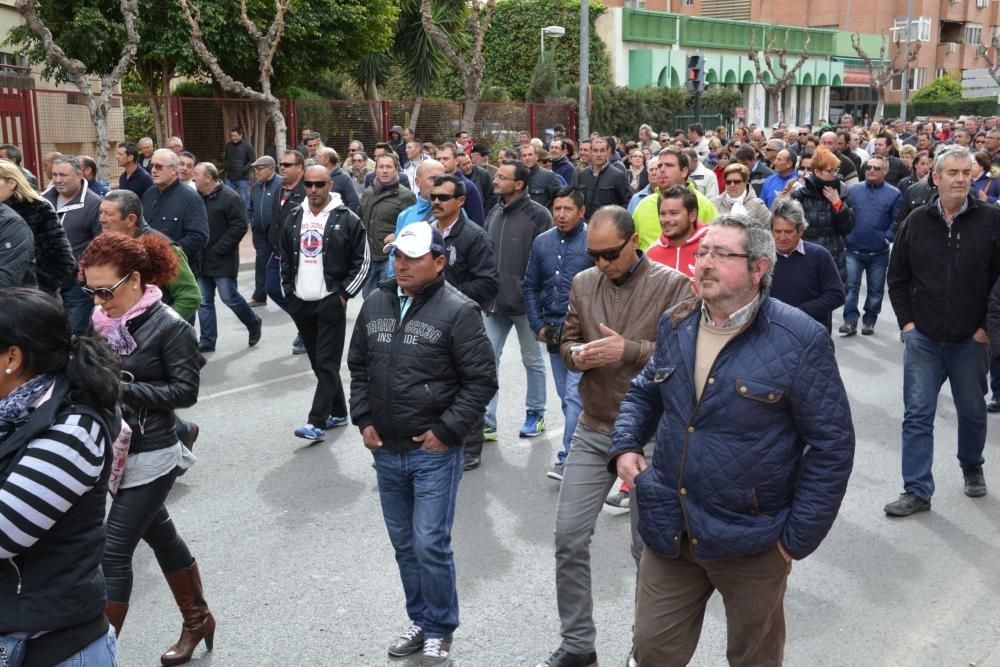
(247, 254)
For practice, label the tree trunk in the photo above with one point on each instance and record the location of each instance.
(880, 105)
(415, 114)
(374, 106)
(473, 91)
(99, 117)
(280, 129)
(154, 109)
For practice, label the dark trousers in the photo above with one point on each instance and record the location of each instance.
(272, 282)
(672, 594)
(323, 325)
(264, 253)
(139, 513)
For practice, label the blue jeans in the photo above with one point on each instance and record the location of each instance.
(418, 491)
(102, 652)
(497, 328)
(272, 281)
(243, 187)
(875, 267)
(230, 296)
(79, 308)
(926, 365)
(376, 275)
(567, 386)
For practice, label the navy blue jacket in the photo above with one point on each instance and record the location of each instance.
(343, 185)
(179, 212)
(555, 259)
(810, 282)
(876, 210)
(262, 196)
(732, 470)
(565, 168)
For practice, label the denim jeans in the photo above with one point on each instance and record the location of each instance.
(102, 652)
(567, 386)
(418, 491)
(875, 267)
(242, 187)
(264, 253)
(376, 275)
(79, 308)
(497, 328)
(926, 365)
(272, 282)
(230, 296)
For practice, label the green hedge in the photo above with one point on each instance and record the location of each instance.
(968, 107)
(620, 111)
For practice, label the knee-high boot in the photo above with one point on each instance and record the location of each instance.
(198, 620)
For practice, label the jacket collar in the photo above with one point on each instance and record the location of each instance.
(78, 201)
(699, 231)
(516, 203)
(573, 233)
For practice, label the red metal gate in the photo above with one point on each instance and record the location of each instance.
(18, 114)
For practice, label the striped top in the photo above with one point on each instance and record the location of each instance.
(57, 469)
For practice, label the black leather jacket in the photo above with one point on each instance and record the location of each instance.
(166, 366)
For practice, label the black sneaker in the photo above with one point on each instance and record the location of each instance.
(975, 483)
(848, 329)
(563, 658)
(907, 504)
(993, 405)
(471, 461)
(254, 330)
(408, 643)
(867, 329)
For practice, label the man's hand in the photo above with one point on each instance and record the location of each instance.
(981, 336)
(909, 326)
(982, 195)
(430, 442)
(603, 351)
(541, 335)
(629, 465)
(389, 239)
(784, 554)
(371, 438)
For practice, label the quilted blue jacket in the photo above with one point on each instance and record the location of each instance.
(764, 455)
(555, 259)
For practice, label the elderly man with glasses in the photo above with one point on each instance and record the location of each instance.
(174, 209)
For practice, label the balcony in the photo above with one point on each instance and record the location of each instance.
(957, 56)
(640, 25)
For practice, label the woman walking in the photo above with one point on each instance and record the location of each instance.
(57, 423)
(160, 367)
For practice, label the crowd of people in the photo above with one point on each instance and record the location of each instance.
(683, 286)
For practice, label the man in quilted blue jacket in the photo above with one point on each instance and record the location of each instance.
(754, 447)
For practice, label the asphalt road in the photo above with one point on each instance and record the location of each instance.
(298, 569)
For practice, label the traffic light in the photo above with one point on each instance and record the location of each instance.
(695, 74)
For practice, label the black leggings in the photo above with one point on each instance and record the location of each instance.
(139, 513)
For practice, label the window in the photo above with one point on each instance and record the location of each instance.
(982, 3)
(920, 29)
(917, 79)
(973, 33)
(689, 3)
(635, 4)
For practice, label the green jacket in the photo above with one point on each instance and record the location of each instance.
(182, 293)
(379, 213)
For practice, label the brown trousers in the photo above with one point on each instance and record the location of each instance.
(670, 605)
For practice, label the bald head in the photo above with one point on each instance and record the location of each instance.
(427, 171)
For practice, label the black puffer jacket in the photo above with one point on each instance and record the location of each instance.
(54, 262)
(434, 370)
(915, 196)
(166, 366)
(472, 264)
(227, 225)
(826, 226)
(17, 251)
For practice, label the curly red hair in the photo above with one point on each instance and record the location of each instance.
(150, 255)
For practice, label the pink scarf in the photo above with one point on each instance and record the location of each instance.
(114, 331)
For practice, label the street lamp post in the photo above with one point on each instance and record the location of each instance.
(551, 31)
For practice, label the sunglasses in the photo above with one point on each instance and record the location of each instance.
(872, 167)
(609, 255)
(104, 293)
(740, 182)
(434, 196)
(314, 184)
(287, 165)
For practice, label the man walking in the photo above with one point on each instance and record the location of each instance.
(543, 184)
(78, 210)
(421, 373)
(471, 266)
(784, 173)
(744, 477)
(513, 225)
(324, 262)
(175, 209)
(289, 197)
(876, 208)
(133, 177)
(608, 336)
(602, 186)
(227, 225)
(944, 263)
(265, 190)
(557, 256)
(237, 160)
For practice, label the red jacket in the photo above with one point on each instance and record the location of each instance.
(677, 257)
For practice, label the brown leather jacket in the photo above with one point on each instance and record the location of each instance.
(633, 309)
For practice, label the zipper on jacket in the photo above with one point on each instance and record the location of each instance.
(18, 571)
(947, 284)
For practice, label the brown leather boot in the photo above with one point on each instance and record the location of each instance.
(198, 621)
(115, 613)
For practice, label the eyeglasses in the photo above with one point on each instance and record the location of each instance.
(442, 196)
(314, 184)
(500, 177)
(287, 165)
(608, 255)
(104, 293)
(718, 255)
(739, 182)
(153, 166)
(872, 167)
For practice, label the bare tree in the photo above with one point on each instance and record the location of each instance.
(472, 71)
(267, 46)
(992, 65)
(76, 72)
(884, 71)
(781, 74)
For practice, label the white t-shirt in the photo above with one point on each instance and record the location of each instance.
(310, 283)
